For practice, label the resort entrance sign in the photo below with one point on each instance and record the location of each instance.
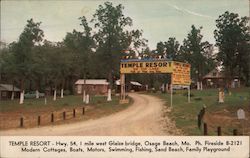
(179, 71)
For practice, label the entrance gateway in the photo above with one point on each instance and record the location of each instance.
(180, 72)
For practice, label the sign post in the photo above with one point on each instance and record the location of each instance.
(188, 94)
(181, 76)
(171, 97)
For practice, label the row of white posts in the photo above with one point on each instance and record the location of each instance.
(85, 97)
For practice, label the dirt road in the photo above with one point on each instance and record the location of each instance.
(144, 117)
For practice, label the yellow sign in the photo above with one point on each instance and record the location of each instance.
(181, 73)
(146, 66)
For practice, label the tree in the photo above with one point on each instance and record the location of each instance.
(161, 48)
(111, 37)
(172, 47)
(136, 43)
(196, 53)
(22, 57)
(233, 39)
(81, 45)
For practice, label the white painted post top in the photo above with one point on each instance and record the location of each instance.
(241, 114)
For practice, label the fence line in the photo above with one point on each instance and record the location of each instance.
(200, 120)
(43, 118)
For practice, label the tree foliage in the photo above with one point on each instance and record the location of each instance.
(233, 39)
(197, 53)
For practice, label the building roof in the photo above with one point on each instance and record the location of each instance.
(135, 83)
(214, 74)
(8, 87)
(92, 81)
(118, 82)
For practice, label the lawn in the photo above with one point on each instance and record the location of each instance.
(11, 111)
(225, 115)
(38, 104)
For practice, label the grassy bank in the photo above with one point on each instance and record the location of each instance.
(11, 111)
(224, 115)
(70, 101)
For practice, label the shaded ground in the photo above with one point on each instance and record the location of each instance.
(143, 117)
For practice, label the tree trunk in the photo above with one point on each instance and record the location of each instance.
(12, 93)
(45, 92)
(37, 90)
(61, 92)
(21, 97)
(30, 86)
(37, 94)
(72, 85)
(62, 88)
(22, 92)
(110, 79)
(54, 98)
(198, 85)
(87, 99)
(109, 95)
(0, 82)
(83, 95)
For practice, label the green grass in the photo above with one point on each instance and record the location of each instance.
(185, 114)
(98, 107)
(67, 101)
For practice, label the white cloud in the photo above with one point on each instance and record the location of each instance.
(190, 12)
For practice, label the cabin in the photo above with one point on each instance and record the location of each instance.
(216, 79)
(7, 90)
(131, 86)
(92, 86)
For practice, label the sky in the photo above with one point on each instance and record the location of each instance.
(159, 19)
